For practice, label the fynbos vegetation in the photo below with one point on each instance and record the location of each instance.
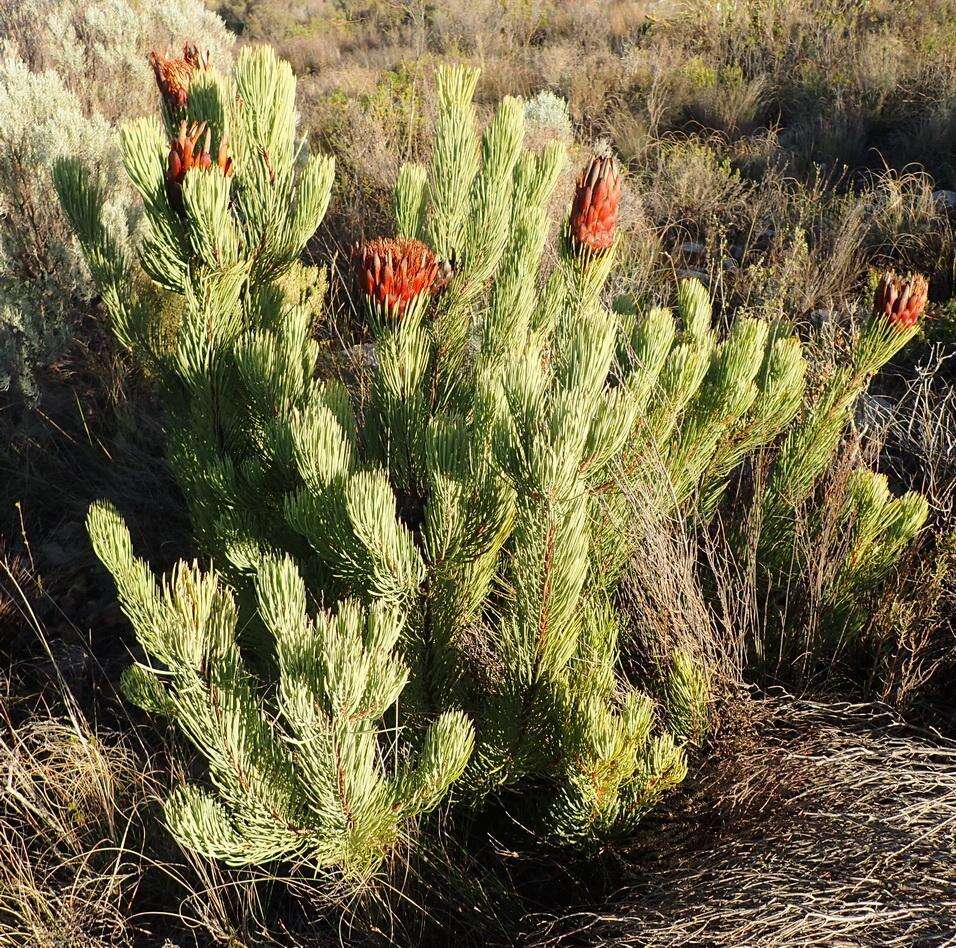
(473, 465)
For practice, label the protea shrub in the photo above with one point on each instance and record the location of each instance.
(873, 527)
(416, 597)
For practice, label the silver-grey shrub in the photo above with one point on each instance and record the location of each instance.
(70, 73)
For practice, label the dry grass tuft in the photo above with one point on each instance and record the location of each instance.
(836, 825)
(71, 807)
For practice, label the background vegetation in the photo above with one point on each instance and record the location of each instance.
(781, 152)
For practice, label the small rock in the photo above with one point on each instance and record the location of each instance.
(691, 248)
(688, 274)
(945, 200)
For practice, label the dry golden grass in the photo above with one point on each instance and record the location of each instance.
(70, 814)
(824, 824)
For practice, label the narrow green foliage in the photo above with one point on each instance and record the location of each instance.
(873, 529)
(877, 528)
(688, 692)
(454, 161)
(316, 787)
(410, 200)
(426, 578)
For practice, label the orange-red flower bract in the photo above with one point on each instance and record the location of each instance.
(394, 271)
(596, 202)
(173, 75)
(901, 299)
(188, 152)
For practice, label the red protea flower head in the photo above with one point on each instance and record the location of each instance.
(173, 75)
(191, 150)
(393, 272)
(901, 299)
(595, 207)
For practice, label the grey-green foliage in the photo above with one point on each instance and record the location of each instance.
(69, 71)
(549, 112)
(41, 272)
(419, 587)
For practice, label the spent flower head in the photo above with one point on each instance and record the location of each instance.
(173, 74)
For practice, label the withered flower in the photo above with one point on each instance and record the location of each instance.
(394, 271)
(901, 299)
(446, 273)
(595, 208)
(173, 75)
